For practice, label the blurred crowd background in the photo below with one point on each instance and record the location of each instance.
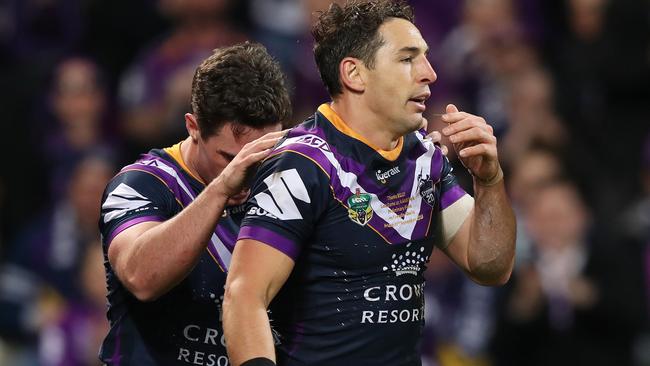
(87, 85)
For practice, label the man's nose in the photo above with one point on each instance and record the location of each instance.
(427, 74)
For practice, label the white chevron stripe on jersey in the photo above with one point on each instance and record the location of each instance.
(122, 200)
(403, 226)
(283, 187)
(224, 253)
(215, 241)
(160, 164)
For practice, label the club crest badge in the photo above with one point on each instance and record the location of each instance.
(359, 209)
(427, 189)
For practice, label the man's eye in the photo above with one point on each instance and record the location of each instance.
(407, 59)
(227, 157)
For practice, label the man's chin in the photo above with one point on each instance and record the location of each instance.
(415, 123)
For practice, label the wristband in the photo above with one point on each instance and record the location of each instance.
(258, 361)
(492, 181)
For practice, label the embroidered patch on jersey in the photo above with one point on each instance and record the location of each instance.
(427, 189)
(359, 209)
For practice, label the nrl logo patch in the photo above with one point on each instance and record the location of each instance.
(359, 209)
(427, 189)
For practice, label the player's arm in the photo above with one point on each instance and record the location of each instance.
(484, 245)
(257, 272)
(152, 257)
(289, 195)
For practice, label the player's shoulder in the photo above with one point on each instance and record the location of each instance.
(144, 178)
(305, 148)
(135, 180)
(135, 193)
(308, 137)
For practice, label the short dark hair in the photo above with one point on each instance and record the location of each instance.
(352, 31)
(241, 84)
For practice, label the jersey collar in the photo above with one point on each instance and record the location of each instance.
(327, 111)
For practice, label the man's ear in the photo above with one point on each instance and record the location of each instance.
(351, 73)
(192, 127)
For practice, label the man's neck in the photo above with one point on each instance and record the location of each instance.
(189, 153)
(363, 121)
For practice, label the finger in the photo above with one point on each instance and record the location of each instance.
(465, 124)
(444, 150)
(473, 135)
(425, 124)
(451, 108)
(256, 157)
(259, 145)
(271, 137)
(275, 134)
(486, 150)
(434, 136)
(455, 117)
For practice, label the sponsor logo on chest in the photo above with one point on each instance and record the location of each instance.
(385, 175)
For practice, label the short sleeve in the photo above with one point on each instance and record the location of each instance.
(289, 194)
(455, 205)
(133, 197)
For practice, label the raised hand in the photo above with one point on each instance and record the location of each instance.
(235, 176)
(434, 136)
(475, 144)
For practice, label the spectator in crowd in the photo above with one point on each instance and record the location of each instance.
(531, 115)
(634, 225)
(576, 291)
(73, 338)
(601, 80)
(155, 91)
(459, 317)
(75, 121)
(39, 276)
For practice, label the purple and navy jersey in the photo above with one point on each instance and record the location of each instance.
(360, 225)
(182, 327)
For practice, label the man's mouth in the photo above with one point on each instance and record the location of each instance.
(419, 101)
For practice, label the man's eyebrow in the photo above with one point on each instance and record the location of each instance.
(414, 49)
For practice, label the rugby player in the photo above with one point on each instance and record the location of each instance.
(344, 214)
(169, 221)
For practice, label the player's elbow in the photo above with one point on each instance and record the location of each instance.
(492, 275)
(493, 280)
(240, 296)
(234, 296)
(141, 287)
(233, 302)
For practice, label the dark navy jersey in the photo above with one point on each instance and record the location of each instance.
(360, 225)
(182, 327)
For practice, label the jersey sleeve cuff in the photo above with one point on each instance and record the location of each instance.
(127, 224)
(270, 238)
(452, 219)
(450, 196)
